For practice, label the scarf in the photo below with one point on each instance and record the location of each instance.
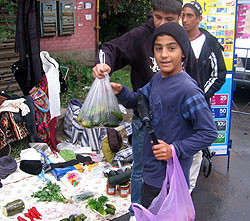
(27, 41)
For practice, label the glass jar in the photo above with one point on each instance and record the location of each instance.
(124, 189)
(110, 190)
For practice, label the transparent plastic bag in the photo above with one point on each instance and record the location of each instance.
(100, 109)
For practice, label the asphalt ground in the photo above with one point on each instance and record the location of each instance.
(225, 194)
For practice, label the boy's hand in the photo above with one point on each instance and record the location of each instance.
(162, 151)
(100, 70)
(116, 87)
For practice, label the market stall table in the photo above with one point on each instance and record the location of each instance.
(20, 185)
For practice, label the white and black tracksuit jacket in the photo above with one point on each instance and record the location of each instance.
(211, 64)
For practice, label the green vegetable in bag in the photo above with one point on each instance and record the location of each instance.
(100, 108)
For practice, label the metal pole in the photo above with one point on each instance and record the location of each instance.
(97, 24)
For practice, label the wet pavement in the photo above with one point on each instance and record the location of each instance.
(225, 194)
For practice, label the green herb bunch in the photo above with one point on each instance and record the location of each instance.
(51, 192)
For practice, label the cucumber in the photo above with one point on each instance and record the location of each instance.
(111, 124)
(82, 217)
(110, 206)
(72, 218)
(13, 208)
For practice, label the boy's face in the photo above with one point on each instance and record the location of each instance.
(168, 55)
(189, 20)
(161, 18)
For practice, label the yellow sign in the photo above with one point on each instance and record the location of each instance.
(218, 18)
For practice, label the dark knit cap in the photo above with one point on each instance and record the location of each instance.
(33, 167)
(194, 5)
(7, 166)
(177, 32)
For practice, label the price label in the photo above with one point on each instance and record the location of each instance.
(221, 138)
(219, 112)
(221, 125)
(219, 99)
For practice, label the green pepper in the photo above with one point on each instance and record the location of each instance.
(110, 211)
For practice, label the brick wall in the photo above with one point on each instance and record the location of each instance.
(84, 37)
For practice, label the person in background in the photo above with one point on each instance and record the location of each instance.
(134, 49)
(211, 64)
(181, 117)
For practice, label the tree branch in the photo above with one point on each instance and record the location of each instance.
(6, 20)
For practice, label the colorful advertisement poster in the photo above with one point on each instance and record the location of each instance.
(221, 110)
(243, 26)
(218, 18)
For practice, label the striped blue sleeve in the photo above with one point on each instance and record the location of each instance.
(192, 104)
(195, 109)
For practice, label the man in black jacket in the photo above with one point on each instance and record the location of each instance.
(211, 64)
(207, 50)
(134, 48)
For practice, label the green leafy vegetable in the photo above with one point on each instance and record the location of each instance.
(100, 205)
(103, 199)
(51, 192)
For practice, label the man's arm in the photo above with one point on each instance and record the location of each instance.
(218, 73)
(119, 52)
(195, 109)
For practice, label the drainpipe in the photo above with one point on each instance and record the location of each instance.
(97, 24)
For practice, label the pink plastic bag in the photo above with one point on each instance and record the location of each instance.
(174, 202)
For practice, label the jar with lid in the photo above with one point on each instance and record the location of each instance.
(110, 190)
(124, 189)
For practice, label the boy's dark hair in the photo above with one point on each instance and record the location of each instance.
(196, 8)
(168, 6)
(177, 32)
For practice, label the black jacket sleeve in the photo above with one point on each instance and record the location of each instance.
(120, 52)
(218, 74)
(212, 64)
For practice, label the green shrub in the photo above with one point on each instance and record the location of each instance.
(119, 16)
(122, 76)
(80, 78)
(8, 11)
